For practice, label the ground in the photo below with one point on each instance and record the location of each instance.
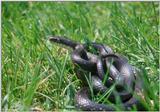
(37, 73)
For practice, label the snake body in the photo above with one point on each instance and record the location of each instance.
(120, 71)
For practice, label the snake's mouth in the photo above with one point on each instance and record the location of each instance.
(55, 39)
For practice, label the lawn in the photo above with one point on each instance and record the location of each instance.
(37, 73)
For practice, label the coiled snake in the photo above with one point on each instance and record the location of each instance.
(121, 73)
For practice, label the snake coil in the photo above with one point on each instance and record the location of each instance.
(119, 71)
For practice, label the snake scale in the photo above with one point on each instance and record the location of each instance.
(104, 61)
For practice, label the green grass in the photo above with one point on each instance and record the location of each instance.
(36, 73)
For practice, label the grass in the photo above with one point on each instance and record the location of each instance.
(36, 73)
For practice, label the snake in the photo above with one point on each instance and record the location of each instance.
(119, 69)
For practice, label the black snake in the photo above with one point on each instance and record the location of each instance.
(120, 72)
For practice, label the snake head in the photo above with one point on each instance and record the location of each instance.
(63, 40)
(55, 39)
